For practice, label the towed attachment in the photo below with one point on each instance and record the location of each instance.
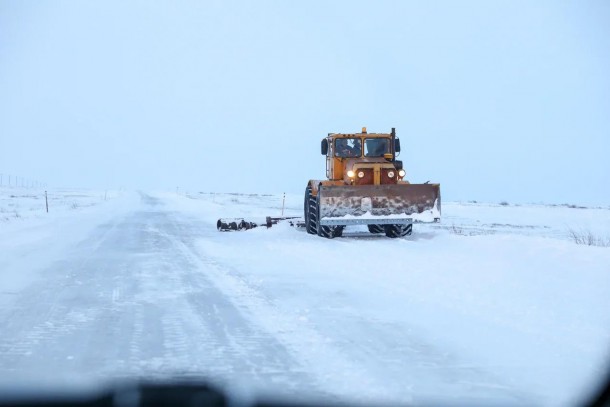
(379, 204)
(226, 225)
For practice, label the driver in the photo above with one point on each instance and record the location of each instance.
(343, 149)
(355, 151)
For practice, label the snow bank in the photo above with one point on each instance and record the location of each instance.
(533, 220)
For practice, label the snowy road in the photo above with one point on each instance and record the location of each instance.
(155, 291)
(131, 299)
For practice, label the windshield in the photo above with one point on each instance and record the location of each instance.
(198, 189)
(376, 147)
(348, 147)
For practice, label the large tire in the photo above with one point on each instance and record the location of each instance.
(394, 231)
(409, 229)
(338, 231)
(328, 232)
(375, 228)
(310, 207)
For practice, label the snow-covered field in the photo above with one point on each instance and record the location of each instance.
(495, 304)
(19, 203)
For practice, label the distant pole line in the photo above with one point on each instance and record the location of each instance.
(18, 181)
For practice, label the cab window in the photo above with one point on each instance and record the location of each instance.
(376, 147)
(348, 147)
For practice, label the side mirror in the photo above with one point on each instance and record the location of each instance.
(397, 145)
(324, 147)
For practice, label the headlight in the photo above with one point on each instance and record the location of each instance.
(350, 174)
(391, 174)
(402, 173)
(361, 174)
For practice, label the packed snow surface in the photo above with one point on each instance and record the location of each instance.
(496, 304)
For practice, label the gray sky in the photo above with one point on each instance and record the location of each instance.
(502, 100)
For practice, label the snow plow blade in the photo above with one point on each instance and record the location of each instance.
(379, 204)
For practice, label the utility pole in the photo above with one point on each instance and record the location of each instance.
(46, 200)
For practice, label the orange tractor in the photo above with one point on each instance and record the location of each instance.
(365, 185)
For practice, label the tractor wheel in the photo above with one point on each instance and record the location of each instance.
(338, 231)
(328, 232)
(398, 230)
(375, 228)
(311, 212)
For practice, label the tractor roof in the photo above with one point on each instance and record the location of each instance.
(346, 135)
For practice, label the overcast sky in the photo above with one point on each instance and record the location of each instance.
(496, 100)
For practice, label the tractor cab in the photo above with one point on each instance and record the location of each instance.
(362, 158)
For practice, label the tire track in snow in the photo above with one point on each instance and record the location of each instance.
(128, 301)
(238, 349)
(333, 373)
(40, 314)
